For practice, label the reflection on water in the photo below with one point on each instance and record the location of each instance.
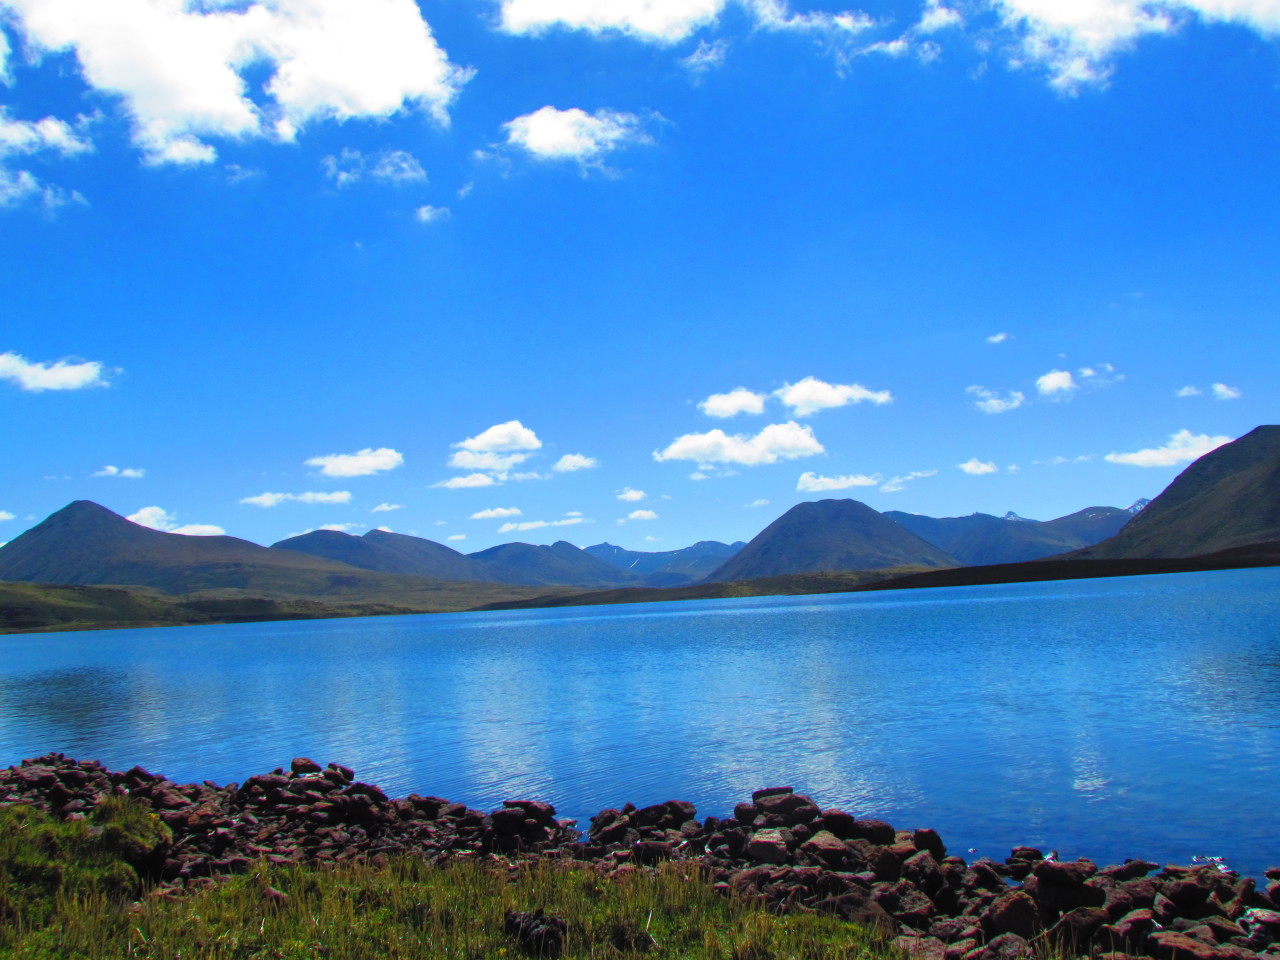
(1113, 718)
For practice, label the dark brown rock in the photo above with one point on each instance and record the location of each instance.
(1015, 912)
(301, 765)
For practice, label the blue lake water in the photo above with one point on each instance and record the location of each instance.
(1136, 716)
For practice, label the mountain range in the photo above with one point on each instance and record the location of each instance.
(1228, 500)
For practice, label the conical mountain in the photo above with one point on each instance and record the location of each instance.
(84, 543)
(830, 535)
(1228, 498)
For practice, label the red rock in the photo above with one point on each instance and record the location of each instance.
(1015, 912)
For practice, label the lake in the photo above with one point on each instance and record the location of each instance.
(1128, 717)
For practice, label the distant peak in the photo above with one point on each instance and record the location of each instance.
(1013, 516)
(1138, 505)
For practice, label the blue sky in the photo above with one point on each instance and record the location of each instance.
(644, 272)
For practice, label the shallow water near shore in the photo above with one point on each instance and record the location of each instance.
(1135, 716)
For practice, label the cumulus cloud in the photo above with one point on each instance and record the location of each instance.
(938, 17)
(275, 499)
(998, 338)
(179, 68)
(512, 435)
(1182, 447)
(387, 508)
(24, 137)
(470, 480)
(486, 460)
(390, 166)
(778, 441)
(1188, 391)
(975, 467)
(430, 214)
(811, 395)
(574, 134)
(132, 473)
(362, 463)
(157, 518)
(630, 495)
(495, 513)
(894, 484)
(991, 402)
(539, 524)
(59, 375)
(574, 461)
(738, 400)
(1057, 383)
(642, 515)
(6, 515)
(1222, 392)
(812, 482)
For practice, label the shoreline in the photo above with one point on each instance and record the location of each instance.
(779, 848)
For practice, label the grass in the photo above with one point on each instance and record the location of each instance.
(71, 891)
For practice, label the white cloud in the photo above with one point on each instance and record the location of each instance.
(387, 507)
(708, 56)
(1222, 392)
(362, 463)
(573, 134)
(642, 515)
(991, 402)
(340, 527)
(811, 395)
(776, 15)
(894, 484)
(1057, 383)
(179, 68)
(34, 136)
(22, 186)
(631, 496)
(539, 524)
(494, 513)
(60, 375)
(738, 400)
(6, 515)
(275, 499)
(778, 441)
(937, 17)
(470, 480)
(758, 503)
(512, 435)
(485, 460)
(157, 518)
(574, 461)
(456, 536)
(1183, 447)
(392, 166)
(430, 214)
(573, 513)
(1188, 391)
(132, 473)
(812, 482)
(998, 338)
(1075, 39)
(663, 21)
(975, 467)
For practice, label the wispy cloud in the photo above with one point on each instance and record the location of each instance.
(275, 499)
(362, 463)
(131, 473)
(630, 495)
(37, 377)
(496, 513)
(811, 395)
(989, 401)
(976, 468)
(574, 461)
(811, 482)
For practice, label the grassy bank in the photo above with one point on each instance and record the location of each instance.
(78, 890)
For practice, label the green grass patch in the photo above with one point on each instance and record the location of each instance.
(71, 893)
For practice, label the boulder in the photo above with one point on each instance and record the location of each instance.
(768, 846)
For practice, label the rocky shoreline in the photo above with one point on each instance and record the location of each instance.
(780, 848)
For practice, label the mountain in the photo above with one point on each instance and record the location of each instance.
(561, 563)
(829, 535)
(1229, 498)
(388, 552)
(981, 539)
(668, 568)
(84, 543)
